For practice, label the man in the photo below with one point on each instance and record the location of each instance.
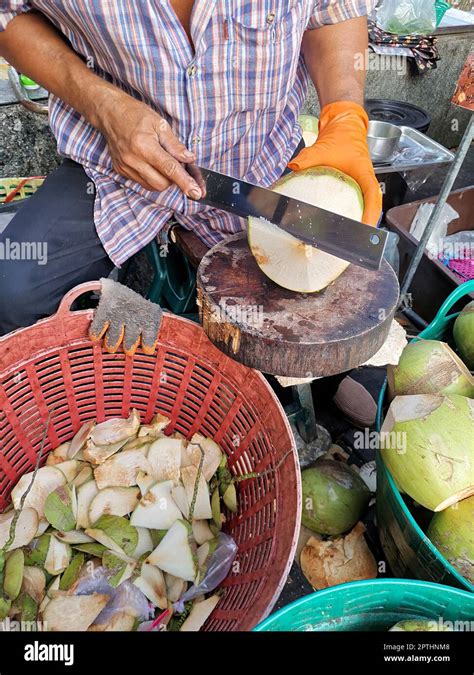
(139, 90)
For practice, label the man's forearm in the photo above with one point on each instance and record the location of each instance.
(332, 56)
(51, 62)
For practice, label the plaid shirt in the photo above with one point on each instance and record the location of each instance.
(235, 101)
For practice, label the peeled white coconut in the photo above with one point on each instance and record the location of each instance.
(47, 479)
(115, 430)
(83, 476)
(70, 469)
(85, 495)
(58, 557)
(191, 455)
(73, 537)
(74, 612)
(156, 510)
(59, 455)
(145, 543)
(289, 262)
(202, 505)
(25, 529)
(427, 443)
(199, 614)
(174, 553)
(42, 527)
(78, 442)
(152, 584)
(121, 622)
(118, 501)
(145, 482)
(180, 498)
(98, 454)
(33, 583)
(164, 457)
(202, 532)
(122, 469)
(175, 587)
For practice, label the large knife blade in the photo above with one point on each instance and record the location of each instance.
(345, 238)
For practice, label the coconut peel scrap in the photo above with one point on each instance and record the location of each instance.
(337, 561)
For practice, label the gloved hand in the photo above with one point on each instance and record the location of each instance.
(125, 318)
(342, 144)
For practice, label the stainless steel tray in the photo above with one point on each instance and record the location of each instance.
(415, 151)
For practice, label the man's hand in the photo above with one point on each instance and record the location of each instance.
(144, 148)
(342, 144)
(141, 143)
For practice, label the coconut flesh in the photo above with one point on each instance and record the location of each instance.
(429, 367)
(452, 532)
(427, 443)
(286, 260)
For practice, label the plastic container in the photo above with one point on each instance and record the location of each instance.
(433, 280)
(401, 113)
(53, 369)
(408, 550)
(372, 605)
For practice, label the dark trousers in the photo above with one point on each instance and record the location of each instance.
(54, 237)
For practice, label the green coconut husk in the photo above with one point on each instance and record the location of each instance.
(429, 367)
(452, 532)
(334, 497)
(463, 333)
(427, 443)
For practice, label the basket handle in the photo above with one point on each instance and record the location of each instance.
(451, 300)
(70, 297)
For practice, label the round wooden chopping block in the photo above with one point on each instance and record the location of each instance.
(264, 326)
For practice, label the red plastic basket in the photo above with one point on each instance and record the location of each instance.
(53, 369)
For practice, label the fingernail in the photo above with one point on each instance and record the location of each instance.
(194, 194)
(188, 154)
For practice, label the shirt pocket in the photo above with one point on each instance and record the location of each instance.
(264, 53)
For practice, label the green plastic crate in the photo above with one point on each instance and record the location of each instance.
(408, 550)
(373, 605)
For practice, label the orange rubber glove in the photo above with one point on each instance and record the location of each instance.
(342, 144)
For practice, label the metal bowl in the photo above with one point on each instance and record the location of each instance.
(383, 139)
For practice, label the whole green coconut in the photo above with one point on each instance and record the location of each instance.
(334, 497)
(429, 367)
(463, 333)
(452, 532)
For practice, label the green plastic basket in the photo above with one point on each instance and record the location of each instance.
(373, 605)
(408, 550)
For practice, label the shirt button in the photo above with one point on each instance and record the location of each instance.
(196, 140)
(192, 70)
(271, 17)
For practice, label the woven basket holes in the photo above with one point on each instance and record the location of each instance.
(194, 401)
(170, 382)
(220, 625)
(239, 596)
(114, 382)
(143, 374)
